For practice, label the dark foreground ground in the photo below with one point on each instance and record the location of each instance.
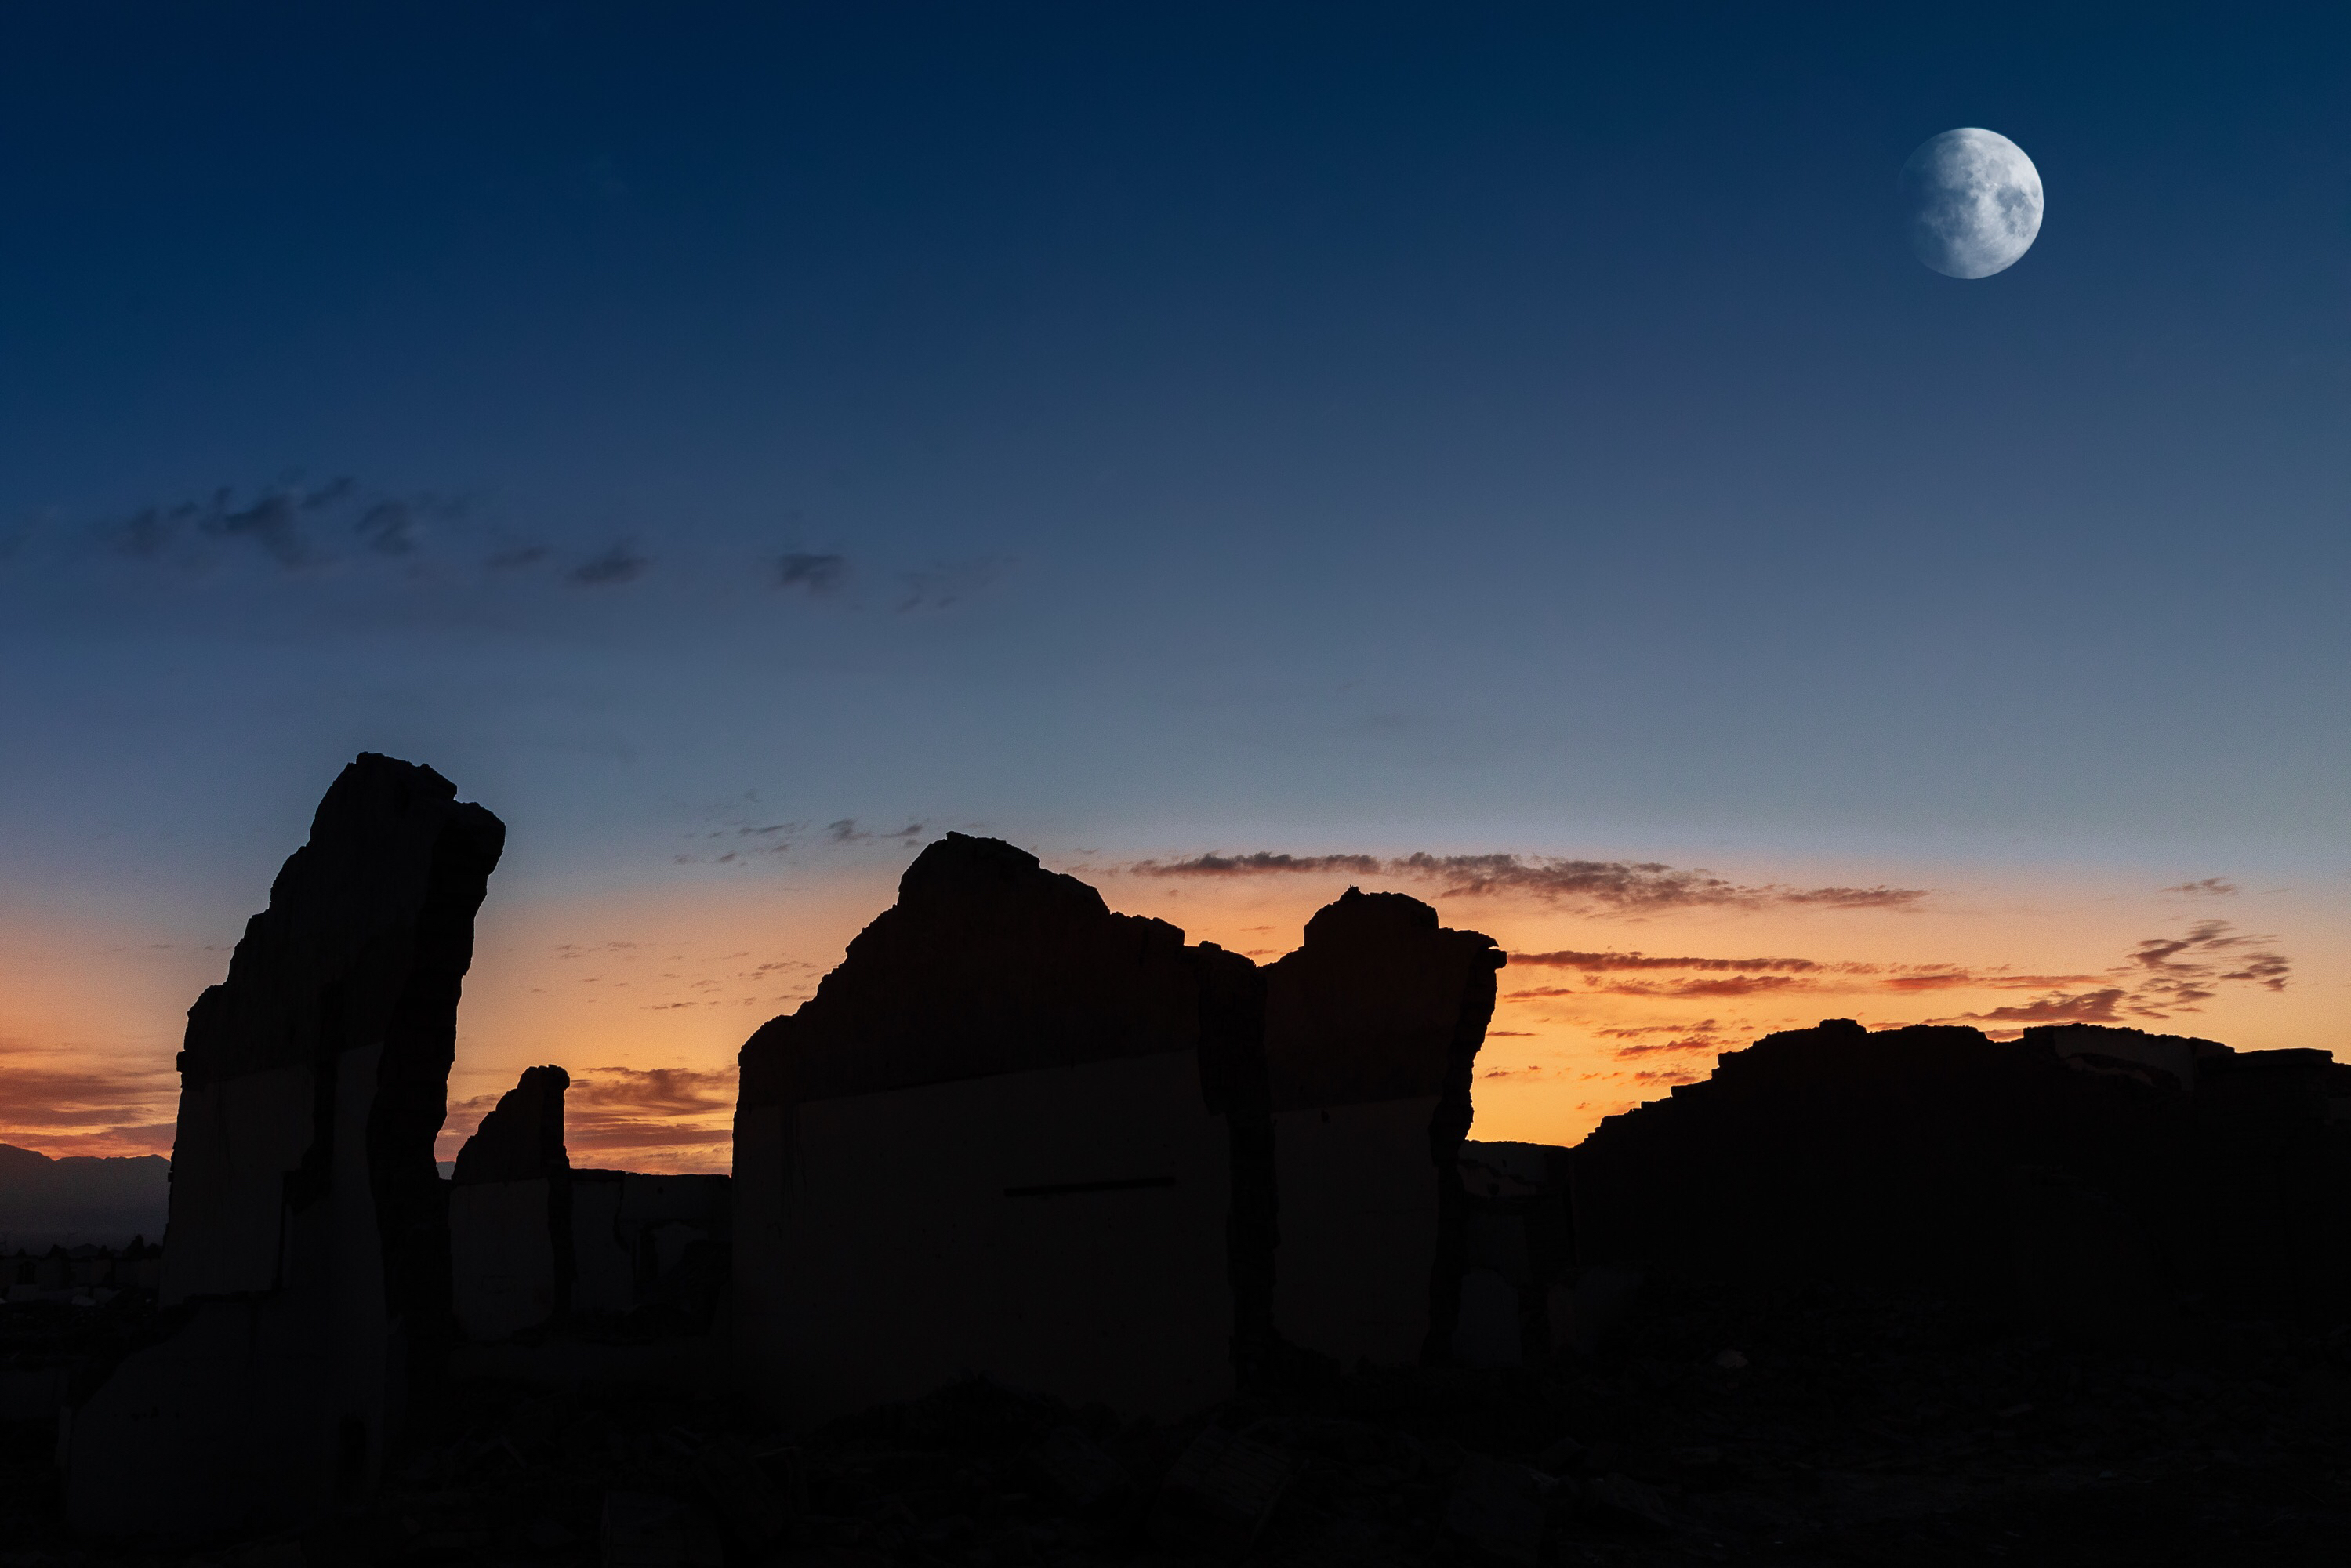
(1862, 1427)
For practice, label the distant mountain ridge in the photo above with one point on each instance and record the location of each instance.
(47, 1202)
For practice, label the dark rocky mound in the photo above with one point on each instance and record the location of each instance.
(82, 1198)
(2058, 1174)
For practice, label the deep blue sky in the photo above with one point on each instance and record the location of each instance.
(1505, 427)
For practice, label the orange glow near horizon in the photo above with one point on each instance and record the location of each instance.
(645, 995)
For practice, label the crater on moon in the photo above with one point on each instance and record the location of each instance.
(1974, 202)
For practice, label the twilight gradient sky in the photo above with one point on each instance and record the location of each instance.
(736, 445)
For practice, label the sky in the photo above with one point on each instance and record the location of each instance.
(1506, 453)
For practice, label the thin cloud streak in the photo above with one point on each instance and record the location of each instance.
(1603, 963)
(815, 574)
(2161, 976)
(59, 1103)
(619, 565)
(1621, 886)
(634, 1118)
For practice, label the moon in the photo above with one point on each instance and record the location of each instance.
(1974, 200)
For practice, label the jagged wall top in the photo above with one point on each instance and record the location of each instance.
(1379, 1002)
(988, 962)
(522, 1136)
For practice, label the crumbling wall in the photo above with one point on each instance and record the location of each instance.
(1517, 1292)
(2267, 1221)
(677, 1233)
(1018, 1135)
(998, 1140)
(2158, 1061)
(535, 1244)
(309, 1245)
(1373, 1027)
(510, 1242)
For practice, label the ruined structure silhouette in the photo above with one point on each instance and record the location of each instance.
(2083, 1175)
(1049, 1185)
(308, 1254)
(1116, 1152)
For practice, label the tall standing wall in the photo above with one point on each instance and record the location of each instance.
(306, 1260)
(995, 1141)
(1373, 1028)
(1017, 1135)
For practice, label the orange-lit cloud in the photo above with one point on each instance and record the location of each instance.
(1946, 977)
(1621, 885)
(670, 1118)
(69, 1103)
(2161, 976)
(1681, 1046)
(1603, 963)
(2088, 1006)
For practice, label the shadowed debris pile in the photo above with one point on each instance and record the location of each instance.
(1828, 1423)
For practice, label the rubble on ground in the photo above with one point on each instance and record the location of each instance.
(1855, 1424)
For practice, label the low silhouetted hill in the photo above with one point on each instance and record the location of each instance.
(46, 1202)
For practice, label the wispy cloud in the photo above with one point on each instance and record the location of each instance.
(61, 1102)
(2102, 1006)
(847, 832)
(1721, 986)
(2210, 887)
(816, 575)
(659, 1118)
(1259, 863)
(2159, 976)
(652, 1091)
(347, 533)
(274, 521)
(1605, 963)
(2183, 970)
(396, 526)
(271, 521)
(1726, 986)
(621, 564)
(1950, 977)
(949, 584)
(1620, 886)
(1678, 1045)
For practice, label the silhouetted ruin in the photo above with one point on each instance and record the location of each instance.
(1057, 1238)
(1516, 1301)
(1101, 1143)
(537, 1244)
(1372, 1030)
(309, 1248)
(510, 1245)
